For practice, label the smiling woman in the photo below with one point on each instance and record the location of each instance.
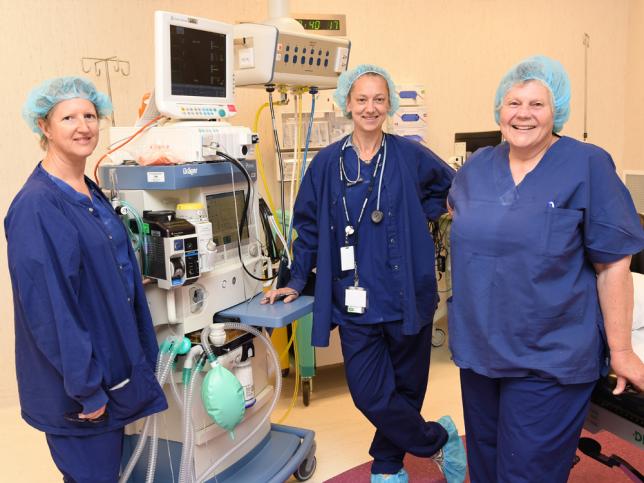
(368, 103)
(526, 121)
(71, 131)
(361, 217)
(542, 234)
(82, 324)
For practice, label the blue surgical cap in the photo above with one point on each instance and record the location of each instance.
(43, 98)
(347, 78)
(551, 73)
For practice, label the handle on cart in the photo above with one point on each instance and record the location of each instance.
(304, 450)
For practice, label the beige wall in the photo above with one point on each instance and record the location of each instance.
(457, 48)
(634, 98)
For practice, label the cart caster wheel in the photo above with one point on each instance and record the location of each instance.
(438, 339)
(306, 392)
(306, 469)
(285, 372)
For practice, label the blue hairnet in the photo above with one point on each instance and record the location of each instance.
(43, 98)
(347, 78)
(546, 70)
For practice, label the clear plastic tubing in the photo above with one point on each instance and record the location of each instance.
(162, 373)
(276, 394)
(188, 440)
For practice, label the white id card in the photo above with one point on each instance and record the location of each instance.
(355, 299)
(347, 262)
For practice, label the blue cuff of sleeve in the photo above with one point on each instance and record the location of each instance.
(94, 402)
(605, 257)
(297, 284)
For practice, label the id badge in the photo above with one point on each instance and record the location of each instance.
(355, 300)
(347, 260)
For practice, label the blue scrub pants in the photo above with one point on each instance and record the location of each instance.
(88, 459)
(522, 429)
(387, 376)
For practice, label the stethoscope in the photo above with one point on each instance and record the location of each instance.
(376, 215)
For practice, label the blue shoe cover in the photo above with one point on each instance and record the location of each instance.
(454, 465)
(400, 477)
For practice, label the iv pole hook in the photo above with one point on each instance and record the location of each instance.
(586, 47)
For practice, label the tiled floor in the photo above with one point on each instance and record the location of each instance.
(342, 433)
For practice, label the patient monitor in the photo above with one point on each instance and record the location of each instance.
(193, 67)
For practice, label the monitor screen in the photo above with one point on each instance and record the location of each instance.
(225, 218)
(477, 140)
(197, 62)
(193, 67)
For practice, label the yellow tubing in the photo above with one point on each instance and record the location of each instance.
(297, 377)
(260, 167)
(281, 344)
(291, 341)
(283, 354)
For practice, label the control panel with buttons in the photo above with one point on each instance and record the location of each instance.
(199, 111)
(288, 58)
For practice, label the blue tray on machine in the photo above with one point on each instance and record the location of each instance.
(273, 316)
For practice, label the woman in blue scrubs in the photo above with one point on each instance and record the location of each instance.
(85, 347)
(542, 234)
(361, 217)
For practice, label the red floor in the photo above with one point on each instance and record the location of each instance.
(421, 470)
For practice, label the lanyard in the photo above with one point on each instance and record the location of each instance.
(376, 216)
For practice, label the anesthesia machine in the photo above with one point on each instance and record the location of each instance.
(184, 183)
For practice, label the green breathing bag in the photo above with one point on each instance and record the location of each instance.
(223, 397)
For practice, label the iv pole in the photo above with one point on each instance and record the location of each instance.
(586, 42)
(119, 65)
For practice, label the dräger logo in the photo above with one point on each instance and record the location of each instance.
(190, 171)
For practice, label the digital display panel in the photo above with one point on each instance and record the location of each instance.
(222, 215)
(198, 62)
(320, 24)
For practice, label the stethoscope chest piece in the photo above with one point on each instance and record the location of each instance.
(377, 216)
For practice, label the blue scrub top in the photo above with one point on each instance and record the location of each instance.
(81, 328)
(524, 286)
(399, 261)
(376, 243)
(112, 224)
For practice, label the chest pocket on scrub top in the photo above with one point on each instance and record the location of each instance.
(563, 231)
